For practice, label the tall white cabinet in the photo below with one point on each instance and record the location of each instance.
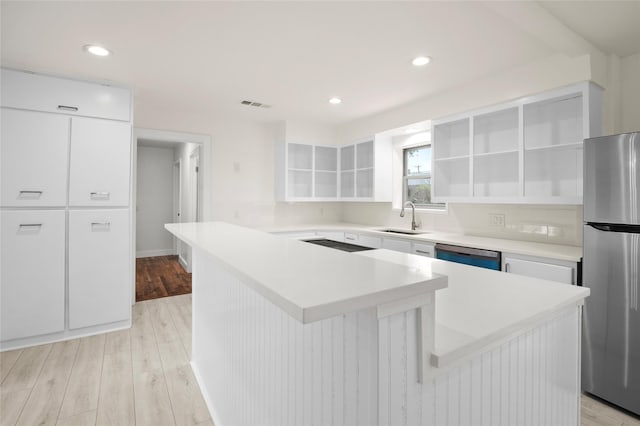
(66, 260)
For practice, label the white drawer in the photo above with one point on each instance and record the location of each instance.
(26, 90)
(424, 249)
(397, 245)
(369, 241)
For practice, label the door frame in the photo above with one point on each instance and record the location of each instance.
(170, 138)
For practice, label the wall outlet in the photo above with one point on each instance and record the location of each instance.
(497, 220)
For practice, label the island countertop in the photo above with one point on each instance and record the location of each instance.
(309, 282)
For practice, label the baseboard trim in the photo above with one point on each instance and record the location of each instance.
(154, 253)
(184, 264)
(205, 395)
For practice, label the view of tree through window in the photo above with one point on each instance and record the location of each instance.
(417, 176)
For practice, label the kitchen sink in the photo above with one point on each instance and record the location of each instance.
(403, 231)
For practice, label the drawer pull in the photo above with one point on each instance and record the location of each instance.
(430, 253)
(29, 228)
(67, 108)
(29, 195)
(350, 238)
(506, 267)
(100, 226)
(100, 195)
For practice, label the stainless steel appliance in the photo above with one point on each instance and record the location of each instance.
(469, 256)
(611, 269)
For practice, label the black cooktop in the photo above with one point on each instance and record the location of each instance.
(337, 245)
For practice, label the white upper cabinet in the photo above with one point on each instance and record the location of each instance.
(306, 172)
(325, 172)
(525, 151)
(24, 90)
(34, 155)
(357, 172)
(365, 170)
(100, 162)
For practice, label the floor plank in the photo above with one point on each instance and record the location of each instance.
(188, 405)
(7, 361)
(116, 400)
(84, 385)
(87, 418)
(11, 404)
(26, 369)
(44, 402)
(152, 403)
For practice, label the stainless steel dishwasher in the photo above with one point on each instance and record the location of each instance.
(489, 259)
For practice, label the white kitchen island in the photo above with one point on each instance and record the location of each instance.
(290, 333)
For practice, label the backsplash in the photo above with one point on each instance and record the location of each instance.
(538, 223)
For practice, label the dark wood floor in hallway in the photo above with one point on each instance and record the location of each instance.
(160, 276)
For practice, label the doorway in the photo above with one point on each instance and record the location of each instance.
(169, 181)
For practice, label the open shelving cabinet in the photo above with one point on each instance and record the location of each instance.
(524, 151)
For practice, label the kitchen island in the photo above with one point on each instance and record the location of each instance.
(290, 333)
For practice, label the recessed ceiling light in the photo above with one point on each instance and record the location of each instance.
(421, 60)
(94, 49)
(335, 101)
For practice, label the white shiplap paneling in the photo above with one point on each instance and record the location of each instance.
(530, 380)
(258, 366)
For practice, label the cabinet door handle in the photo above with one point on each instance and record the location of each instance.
(100, 195)
(30, 225)
(506, 267)
(100, 226)
(29, 195)
(67, 108)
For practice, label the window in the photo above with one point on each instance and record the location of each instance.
(416, 180)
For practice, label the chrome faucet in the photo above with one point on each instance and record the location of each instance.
(414, 225)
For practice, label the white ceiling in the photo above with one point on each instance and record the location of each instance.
(208, 56)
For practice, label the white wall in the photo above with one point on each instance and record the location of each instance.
(154, 205)
(242, 167)
(630, 70)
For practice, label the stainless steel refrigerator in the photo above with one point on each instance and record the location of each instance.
(611, 269)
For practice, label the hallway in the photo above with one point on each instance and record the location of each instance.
(160, 276)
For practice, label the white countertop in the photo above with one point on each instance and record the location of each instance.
(526, 248)
(307, 281)
(481, 306)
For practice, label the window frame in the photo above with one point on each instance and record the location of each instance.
(426, 175)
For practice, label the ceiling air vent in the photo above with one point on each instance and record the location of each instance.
(255, 104)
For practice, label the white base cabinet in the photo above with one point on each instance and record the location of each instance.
(99, 287)
(32, 285)
(547, 269)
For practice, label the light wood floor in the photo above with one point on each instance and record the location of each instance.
(137, 377)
